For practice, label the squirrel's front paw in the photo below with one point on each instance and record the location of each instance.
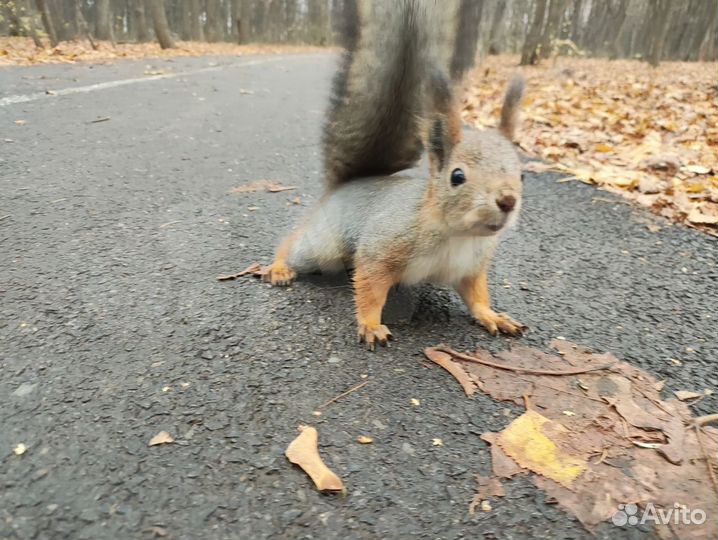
(499, 322)
(371, 334)
(279, 274)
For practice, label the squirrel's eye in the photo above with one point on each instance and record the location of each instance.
(457, 177)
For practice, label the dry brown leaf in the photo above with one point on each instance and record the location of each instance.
(685, 395)
(304, 452)
(254, 269)
(161, 438)
(621, 432)
(610, 124)
(364, 439)
(489, 487)
(459, 373)
(279, 188)
(22, 51)
(271, 186)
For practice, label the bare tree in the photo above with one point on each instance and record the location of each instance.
(552, 27)
(103, 28)
(47, 22)
(161, 26)
(529, 52)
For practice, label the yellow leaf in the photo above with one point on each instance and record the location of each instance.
(526, 442)
(363, 439)
(603, 147)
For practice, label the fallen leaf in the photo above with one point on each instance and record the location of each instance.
(254, 269)
(526, 442)
(161, 438)
(446, 361)
(279, 188)
(364, 439)
(415, 402)
(20, 449)
(617, 440)
(304, 452)
(21, 122)
(697, 169)
(685, 395)
(270, 186)
(437, 442)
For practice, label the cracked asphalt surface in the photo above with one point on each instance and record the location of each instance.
(113, 326)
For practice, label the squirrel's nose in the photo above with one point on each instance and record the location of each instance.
(506, 203)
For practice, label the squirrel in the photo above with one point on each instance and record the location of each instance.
(392, 98)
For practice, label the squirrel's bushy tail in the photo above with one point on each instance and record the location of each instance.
(510, 108)
(378, 102)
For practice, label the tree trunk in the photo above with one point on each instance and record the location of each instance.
(213, 23)
(81, 24)
(102, 20)
(161, 26)
(659, 22)
(576, 19)
(244, 20)
(196, 26)
(142, 31)
(529, 51)
(495, 44)
(318, 22)
(553, 25)
(47, 22)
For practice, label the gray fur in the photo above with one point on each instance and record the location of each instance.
(375, 117)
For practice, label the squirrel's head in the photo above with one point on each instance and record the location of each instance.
(476, 182)
(477, 190)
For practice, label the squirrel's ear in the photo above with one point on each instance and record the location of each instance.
(444, 129)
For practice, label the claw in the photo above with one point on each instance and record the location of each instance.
(500, 322)
(370, 335)
(279, 274)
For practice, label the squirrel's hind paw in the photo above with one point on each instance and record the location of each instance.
(279, 274)
(501, 322)
(370, 335)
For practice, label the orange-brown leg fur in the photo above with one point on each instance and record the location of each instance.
(475, 292)
(279, 273)
(371, 286)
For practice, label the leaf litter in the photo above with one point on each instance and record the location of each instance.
(621, 444)
(304, 452)
(647, 134)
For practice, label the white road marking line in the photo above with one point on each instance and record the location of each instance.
(25, 98)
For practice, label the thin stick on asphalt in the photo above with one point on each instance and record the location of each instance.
(4, 217)
(517, 369)
(335, 398)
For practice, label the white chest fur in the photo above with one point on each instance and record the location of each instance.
(453, 259)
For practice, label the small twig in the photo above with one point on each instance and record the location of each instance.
(168, 224)
(4, 217)
(517, 369)
(352, 389)
(98, 120)
(254, 269)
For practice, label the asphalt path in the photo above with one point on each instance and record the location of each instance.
(113, 326)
